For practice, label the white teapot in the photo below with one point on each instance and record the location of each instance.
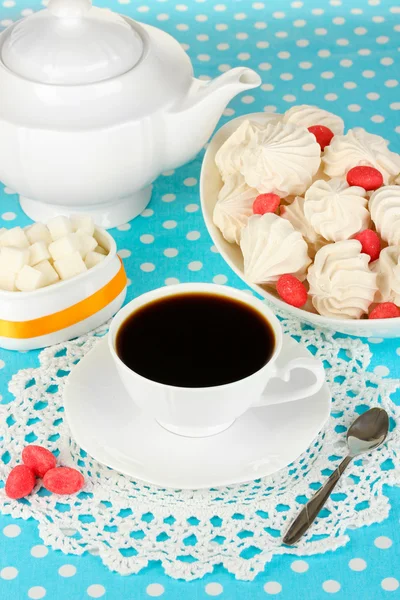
(94, 106)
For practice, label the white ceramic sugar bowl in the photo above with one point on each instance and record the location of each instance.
(94, 106)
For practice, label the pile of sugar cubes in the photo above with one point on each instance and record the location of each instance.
(41, 255)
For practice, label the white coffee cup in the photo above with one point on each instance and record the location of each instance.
(199, 412)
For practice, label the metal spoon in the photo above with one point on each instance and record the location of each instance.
(367, 432)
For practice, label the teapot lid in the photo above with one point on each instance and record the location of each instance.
(71, 43)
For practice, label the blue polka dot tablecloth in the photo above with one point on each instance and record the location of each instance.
(340, 54)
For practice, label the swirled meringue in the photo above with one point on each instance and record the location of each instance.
(335, 210)
(387, 268)
(271, 247)
(384, 205)
(358, 147)
(234, 207)
(341, 283)
(295, 214)
(306, 115)
(228, 157)
(281, 158)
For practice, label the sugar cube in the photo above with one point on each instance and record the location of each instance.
(82, 223)
(38, 252)
(64, 246)
(29, 279)
(50, 275)
(7, 280)
(100, 250)
(102, 238)
(14, 237)
(13, 259)
(38, 232)
(69, 266)
(93, 258)
(59, 227)
(86, 242)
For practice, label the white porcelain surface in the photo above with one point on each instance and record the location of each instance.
(210, 184)
(114, 432)
(29, 306)
(200, 412)
(151, 114)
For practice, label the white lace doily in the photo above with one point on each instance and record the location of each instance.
(129, 523)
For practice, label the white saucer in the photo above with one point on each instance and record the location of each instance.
(104, 422)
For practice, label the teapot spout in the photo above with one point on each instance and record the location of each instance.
(192, 121)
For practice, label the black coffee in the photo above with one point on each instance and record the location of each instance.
(195, 340)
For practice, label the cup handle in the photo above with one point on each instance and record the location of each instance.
(284, 373)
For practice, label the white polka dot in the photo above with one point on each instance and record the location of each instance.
(243, 56)
(171, 281)
(281, 34)
(258, 5)
(148, 212)
(8, 3)
(299, 23)
(182, 27)
(381, 371)
(342, 42)
(338, 21)
(248, 99)
(357, 564)
(169, 224)
(168, 198)
(39, 551)
(378, 19)
(390, 584)
(11, 531)
(96, 590)
(168, 173)
(193, 235)
(265, 67)
(308, 87)
(147, 238)
(8, 216)
(124, 227)
(346, 62)
(377, 118)
(289, 98)
(228, 112)
(324, 53)
(260, 25)
(297, 4)
(143, 9)
(221, 27)
(395, 106)
(386, 61)
(204, 57)
(283, 55)
(162, 17)
(331, 586)
(395, 10)
(374, 340)
(360, 31)
(214, 249)
(299, 566)
(36, 592)
(2, 365)
(220, 279)
(213, 589)
(382, 542)
(331, 97)
(356, 11)
(181, 7)
(320, 31)
(191, 208)
(349, 85)
(317, 11)
(262, 45)
(9, 573)
(9, 191)
(224, 68)
(267, 87)
(67, 570)
(190, 181)
(382, 39)
(270, 108)
(124, 253)
(286, 76)
(223, 47)
(6, 22)
(305, 65)
(155, 589)
(195, 265)
(327, 75)
(26, 12)
(220, 7)
(373, 96)
(147, 267)
(272, 587)
(171, 252)
(354, 107)
(201, 18)
(302, 43)
(368, 74)
(202, 37)
(240, 16)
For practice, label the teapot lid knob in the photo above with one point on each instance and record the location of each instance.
(69, 8)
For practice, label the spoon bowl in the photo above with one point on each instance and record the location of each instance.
(368, 431)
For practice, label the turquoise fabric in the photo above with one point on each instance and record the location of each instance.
(339, 54)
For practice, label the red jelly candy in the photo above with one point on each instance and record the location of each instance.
(63, 480)
(365, 177)
(20, 482)
(370, 243)
(291, 290)
(266, 203)
(39, 459)
(322, 134)
(386, 310)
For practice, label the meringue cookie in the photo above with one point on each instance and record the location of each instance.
(341, 283)
(384, 205)
(387, 268)
(335, 210)
(295, 214)
(358, 147)
(234, 207)
(306, 115)
(271, 247)
(228, 157)
(281, 158)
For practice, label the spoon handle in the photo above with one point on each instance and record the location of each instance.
(309, 512)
